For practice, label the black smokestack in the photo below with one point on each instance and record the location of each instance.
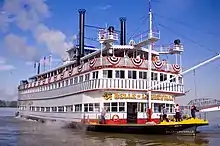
(38, 68)
(81, 31)
(123, 31)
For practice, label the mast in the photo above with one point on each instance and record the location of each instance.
(149, 61)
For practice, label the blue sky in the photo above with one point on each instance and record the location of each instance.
(29, 28)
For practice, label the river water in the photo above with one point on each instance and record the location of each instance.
(21, 132)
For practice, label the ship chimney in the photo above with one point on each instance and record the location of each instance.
(81, 32)
(123, 31)
(38, 68)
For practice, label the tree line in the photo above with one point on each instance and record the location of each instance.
(4, 103)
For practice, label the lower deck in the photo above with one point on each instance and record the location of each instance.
(122, 107)
(117, 113)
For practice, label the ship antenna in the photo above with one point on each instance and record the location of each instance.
(149, 62)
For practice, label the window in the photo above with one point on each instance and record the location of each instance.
(75, 80)
(62, 84)
(132, 74)
(78, 107)
(168, 108)
(97, 107)
(114, 107)
(42, 109)
(163, 77)
(67, 82)
(172, 80)
(47, 109)
(180, 80)
(69, 108)
(60, 108)
(86, 108)
(87, 77)
(142, 75)
(107, 106)
(154, 76)
(55, 86)
(95, 75)
(107, 73)
(120, 74)
(121, 106)
(80, 79)
(58, 85)
(54, 109)
(157, 108)
(142, 107)
(91, 107)
(71, 81)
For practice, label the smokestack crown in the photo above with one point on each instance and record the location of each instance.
(123, 19)
(82, 11)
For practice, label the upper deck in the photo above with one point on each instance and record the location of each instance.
(116, 73)
(111, 67)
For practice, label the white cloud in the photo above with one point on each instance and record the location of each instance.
(25, 13)
(54, 40)
(106, 7)
(28, 15)
(4, 66)
(18, 45)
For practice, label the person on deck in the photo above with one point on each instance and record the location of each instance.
(164, 112)
(177, 116)
(103, 113)
(193, 111)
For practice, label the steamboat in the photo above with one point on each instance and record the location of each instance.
(130, 80)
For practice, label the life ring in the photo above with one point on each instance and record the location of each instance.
(115, 118)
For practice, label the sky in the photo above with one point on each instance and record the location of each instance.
(32, 29)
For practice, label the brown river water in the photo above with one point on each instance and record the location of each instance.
(21, 132)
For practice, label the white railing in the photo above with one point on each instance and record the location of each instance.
(105, 35)
(124, 62)
(147, 36)
(123, 84)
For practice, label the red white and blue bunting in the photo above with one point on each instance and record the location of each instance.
(80, 67)
(176, 67)
(158, 64)
(137, 61)
(113, 60)
(92, 62)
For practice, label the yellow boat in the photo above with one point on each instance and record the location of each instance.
(184, 127)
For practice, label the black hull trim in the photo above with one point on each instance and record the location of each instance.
(186, 129)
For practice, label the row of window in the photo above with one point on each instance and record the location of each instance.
(142, 107)
(106, 74)
(87, 107)
(95, 107)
